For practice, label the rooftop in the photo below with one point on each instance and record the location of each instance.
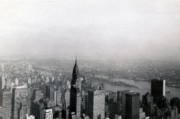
(20, 87)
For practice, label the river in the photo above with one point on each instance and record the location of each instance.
(143, 87)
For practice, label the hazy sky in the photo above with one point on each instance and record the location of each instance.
(90, 28)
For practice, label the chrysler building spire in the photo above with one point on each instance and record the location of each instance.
(75, 74)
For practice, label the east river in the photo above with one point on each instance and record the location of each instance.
(140, 86)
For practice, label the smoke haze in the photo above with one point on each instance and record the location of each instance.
(121, 29)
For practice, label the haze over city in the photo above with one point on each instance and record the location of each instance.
(131, 29)
(89, 59)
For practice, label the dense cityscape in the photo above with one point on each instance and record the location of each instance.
(89, 59)
(88, 90)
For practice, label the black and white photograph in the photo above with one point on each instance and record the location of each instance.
(89, 59)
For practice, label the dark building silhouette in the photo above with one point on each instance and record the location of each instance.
(75, 97)
(37, 109)
(157, 89)
(174, 113)
(132, 105)
(112, 105)
(50, 92)
(22, 109)
(147, 98)
(57, 112)
(175, 102)
(147, 104)
(36, 95)
(122, 96)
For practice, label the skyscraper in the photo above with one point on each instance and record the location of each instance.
(147, 102)
(50, 92)
(131, 109)
(75, 97)
(122, 97)
(7, 95)
(158, 88)
(37, 109)
(48, 114)
(2, 77)
(1, 92)
(96, 104)
(67, 97)
(36, 95)
(22, 109)
(19, 94)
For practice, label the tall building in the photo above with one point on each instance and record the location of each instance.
(7, 95)
(96, 104)
(48, 114)
(112, 105)
(3, 76)
(131, 110)
(29, 81)
(57, 112)
(22, 109)
(121, 102)
(67, 97)
(36, 95)
(16, 81)
(36, 109)
(121, 96)
(3, 81)
(147, 102)
(75, 93)
(158, 89)
(146, 99)
(174, 113)
(19, 94)
(58, 97)
(1, 92)
(142, 114)
(50, 92)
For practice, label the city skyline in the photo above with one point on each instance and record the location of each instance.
(43, 94)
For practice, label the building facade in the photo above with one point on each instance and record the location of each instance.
(158, 89)
(19, 94)
(96, 104)
(132, 100)
(48, 114)
(7, 95)
(1, 92)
